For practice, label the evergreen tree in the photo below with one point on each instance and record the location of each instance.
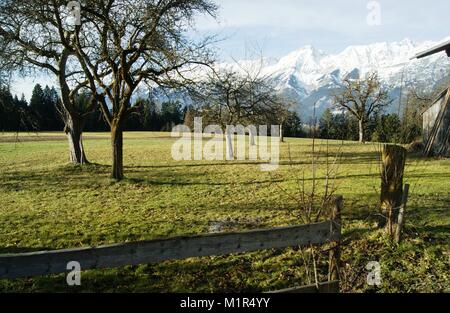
(50, 117)
(337, 126)
(23, 102)
(151, 119)
(388, 129)
(292, 126)
(44, 104)
(171, 114)
(36, 105)
(326, 127)
(37, 97)
(14, 113)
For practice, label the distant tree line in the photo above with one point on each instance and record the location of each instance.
(154, 117)
(381, 127)
(360, 114)
(293, 126)
(15, 114)
(42, 113)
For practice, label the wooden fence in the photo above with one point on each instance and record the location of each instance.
(54, 262)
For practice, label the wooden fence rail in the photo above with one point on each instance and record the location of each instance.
(54, 262)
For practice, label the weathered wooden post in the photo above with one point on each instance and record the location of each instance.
(335, 252)
(393, 160)
(401, 215)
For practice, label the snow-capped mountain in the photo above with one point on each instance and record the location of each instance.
(310, 76)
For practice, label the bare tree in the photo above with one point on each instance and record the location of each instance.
(245, 97)
(36, 36)
(362, 98)
(136, 42)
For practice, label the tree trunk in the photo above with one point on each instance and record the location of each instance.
(252, 138)
(281, 133)
(74, 131)
(229, 144)
(392, 169)
(117, 151)
(74, 122)
(361, 131)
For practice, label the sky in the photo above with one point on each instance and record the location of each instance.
(274, 28)
(277, 27)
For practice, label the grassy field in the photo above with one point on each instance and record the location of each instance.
(47, 204)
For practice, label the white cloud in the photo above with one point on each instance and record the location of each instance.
(331, 25)
(280, 26)
(285, 13)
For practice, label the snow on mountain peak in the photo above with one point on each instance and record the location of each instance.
(311, 75)
(304, 59)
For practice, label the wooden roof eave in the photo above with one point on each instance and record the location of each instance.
(445, 46)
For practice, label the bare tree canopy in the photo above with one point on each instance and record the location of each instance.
(108, 46)
(362, 98)
(136, 42)
(244, 98)
(36, 36)
(230, 97)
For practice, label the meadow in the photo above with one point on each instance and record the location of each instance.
(47, 204)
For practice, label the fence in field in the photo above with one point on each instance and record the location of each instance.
(146, 252)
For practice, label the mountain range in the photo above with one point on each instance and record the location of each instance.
(310, 76)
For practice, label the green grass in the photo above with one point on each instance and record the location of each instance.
(47, 204)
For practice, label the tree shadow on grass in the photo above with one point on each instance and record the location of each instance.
(56, 178)
(97, 176)
(162, 174)
(443, 229)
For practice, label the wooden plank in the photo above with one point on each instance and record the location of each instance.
(53, 262)
(335, 252)
(445, 46)
(428, 151)
(327, 287)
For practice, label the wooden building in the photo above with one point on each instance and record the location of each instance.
(436, 119)
(436, 126)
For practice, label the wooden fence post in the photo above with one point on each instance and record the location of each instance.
(401, 215)
(393, 160)
(335, 252)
